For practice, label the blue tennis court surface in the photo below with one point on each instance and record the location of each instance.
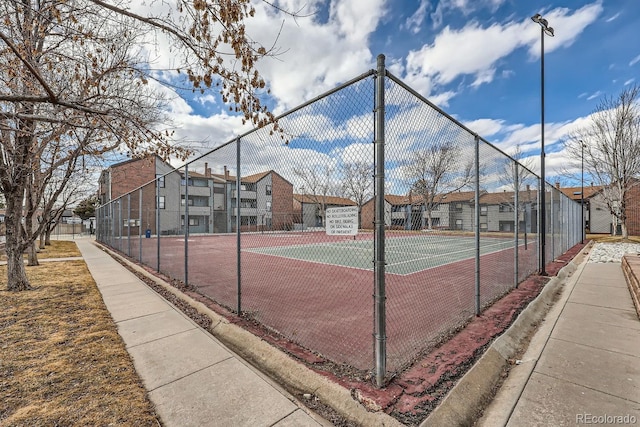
(403, 255)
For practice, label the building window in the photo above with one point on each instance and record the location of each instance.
(160, 202)
(505, 208)
(268, 205)
(483, 211)
(192, 221)
(160, 179)
(506, 226)
(248, 203)
(248, 220)
(268, 190)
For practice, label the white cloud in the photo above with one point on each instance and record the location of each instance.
(594, 95)
(478, 50)
(567, 27)
(317, 55)
(634, 61)
(628, 82)
(416, 21)
(485, 127)
(613, 18)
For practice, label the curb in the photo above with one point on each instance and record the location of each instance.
(290, 374)
(464, 403)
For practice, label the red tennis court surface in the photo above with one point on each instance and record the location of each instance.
(328, 308)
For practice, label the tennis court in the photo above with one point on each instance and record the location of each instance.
(404, 255)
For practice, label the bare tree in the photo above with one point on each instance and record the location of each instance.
(357, 182)
(516, 176)
(435, 172)
(611, 144)
(64, 192)
(74, 68)
(318, 186)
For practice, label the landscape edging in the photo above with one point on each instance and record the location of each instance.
(632, 281)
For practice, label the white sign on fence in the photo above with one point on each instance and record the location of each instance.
(342, 221)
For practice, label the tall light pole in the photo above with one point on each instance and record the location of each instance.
(582, 232)
(544, 29)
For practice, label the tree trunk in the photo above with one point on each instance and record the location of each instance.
(33, 255)
(47, 236)
(16, 274)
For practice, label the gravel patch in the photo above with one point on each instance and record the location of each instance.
(612, 252)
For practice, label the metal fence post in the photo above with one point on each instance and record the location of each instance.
(238, 223)
(140, 222)
(120, 224)
(477, 230)
(129, 224)
(379, 263)
(158, 223)
(553, 220)
(541, 261)
(186, 223)
(516, 203)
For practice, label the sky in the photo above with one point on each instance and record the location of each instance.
(478, 60)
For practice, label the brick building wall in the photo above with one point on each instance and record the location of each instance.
(122, 178)
(281, 202)
(633, 210)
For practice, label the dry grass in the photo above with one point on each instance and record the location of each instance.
(62, 362)
(57, 249)
(60, 249)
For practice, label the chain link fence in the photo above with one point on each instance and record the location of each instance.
(366, 231)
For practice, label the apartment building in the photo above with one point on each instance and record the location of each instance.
(456, 211)
(409, 212)
(162, 197)
(309, 209)
(120, 179)
(266, 201)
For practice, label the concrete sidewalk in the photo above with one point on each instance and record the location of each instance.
(583, 364)
(192, 379)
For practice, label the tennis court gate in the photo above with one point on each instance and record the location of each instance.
(447, 224)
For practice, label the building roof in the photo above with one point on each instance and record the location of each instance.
(150, 158)
(329, 200)
(397, 200)
(508, 197)
(456, 196)
(575, 193)
(249, 178)
(255, 177)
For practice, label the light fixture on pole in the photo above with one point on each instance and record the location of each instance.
(544, 29)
